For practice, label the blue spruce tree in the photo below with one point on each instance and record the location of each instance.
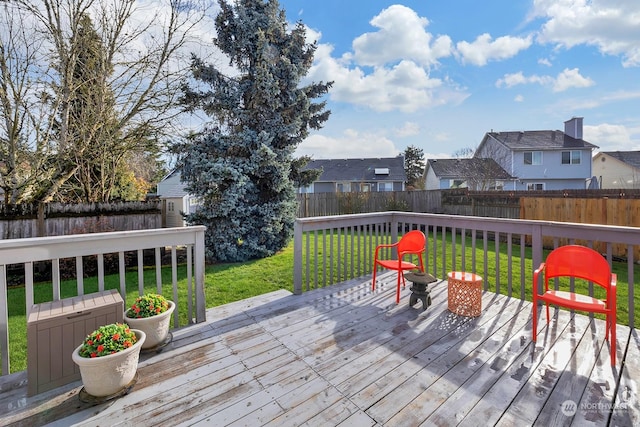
(241, 166)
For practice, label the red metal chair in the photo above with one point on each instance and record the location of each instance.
(583, 263)
(412, 243)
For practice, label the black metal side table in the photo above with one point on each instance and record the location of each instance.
(419, 290)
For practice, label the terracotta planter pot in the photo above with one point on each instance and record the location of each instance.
(155, 327)
(107, 375)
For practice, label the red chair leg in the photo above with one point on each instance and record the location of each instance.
(547, 306)
(373, 281)
(534, 320)
(611, 319)
(398, 287)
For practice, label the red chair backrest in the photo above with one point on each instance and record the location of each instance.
(412, 242)
(578, 261)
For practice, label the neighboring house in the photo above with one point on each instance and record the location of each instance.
(357, 175)
(542, 160)
(617, 169)
(475, 174)
(175, 200)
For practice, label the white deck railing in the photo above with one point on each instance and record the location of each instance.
(26, 252)
(332, 249)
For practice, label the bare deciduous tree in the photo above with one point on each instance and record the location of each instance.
(142, 67)
(24, 147)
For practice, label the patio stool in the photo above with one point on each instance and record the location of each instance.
(464, 293)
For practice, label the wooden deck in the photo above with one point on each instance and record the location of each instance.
(347, 356)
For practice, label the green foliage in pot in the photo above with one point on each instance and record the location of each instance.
(108, 339)
(148, 305)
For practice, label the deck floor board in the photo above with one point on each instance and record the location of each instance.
(345, 355)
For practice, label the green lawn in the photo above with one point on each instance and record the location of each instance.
(226, 283)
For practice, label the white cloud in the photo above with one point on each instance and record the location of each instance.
(442, 136)
(405, 86)
(483, 49)
(571, 78)
(510, 80)
(351, 144)
(401, 36)
(408, 129)
(565, 80)
(613, 26)
(622, 96)
(437, 155)
(544, 61)
(311, 35)
(519, 98)
(613, 137)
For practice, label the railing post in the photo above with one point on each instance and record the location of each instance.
(199, 260)
(297, 257)
(394, 233)
(536, 255)
(4, 321)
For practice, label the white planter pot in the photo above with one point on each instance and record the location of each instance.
(155, 327)
(107, 375)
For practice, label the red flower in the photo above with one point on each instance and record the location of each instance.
(94, 355)
(100, 348)
(116, 337)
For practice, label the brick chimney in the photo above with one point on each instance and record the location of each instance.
(573, 127)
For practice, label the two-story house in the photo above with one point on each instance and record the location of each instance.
(542, 159)
(357, 175)
(617, 169)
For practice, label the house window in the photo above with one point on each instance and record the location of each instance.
(537, 186)
(533, 157)
(497, 185)
(307, 189)
(170, 206)
(457, 183)
(385, 186)
(365, 188)
(571, 157)
(343, 187)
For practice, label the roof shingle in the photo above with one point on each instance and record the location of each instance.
(359, 169)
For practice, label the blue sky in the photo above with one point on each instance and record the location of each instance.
(440, 74)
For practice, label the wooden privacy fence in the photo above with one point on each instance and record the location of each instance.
(325, 204)
(605, 211)
(58, 219)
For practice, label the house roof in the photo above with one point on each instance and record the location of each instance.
(360, 169)
(632, 158)
(538, 139)
(173, 192)
(467, 168)
(170, 174)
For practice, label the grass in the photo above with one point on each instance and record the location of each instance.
(225, 283)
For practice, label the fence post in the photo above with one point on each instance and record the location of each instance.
(40, 228)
